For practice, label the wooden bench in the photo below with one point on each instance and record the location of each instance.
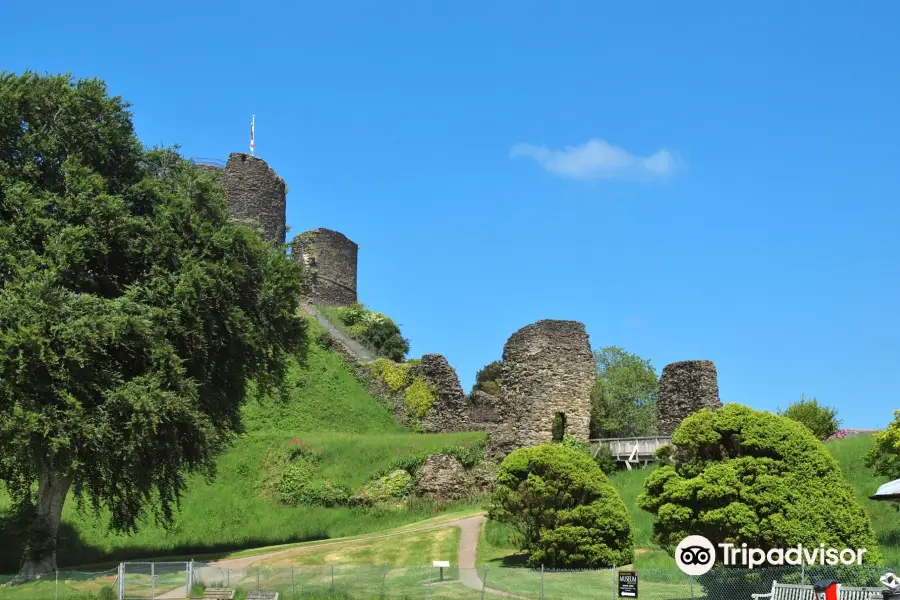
(795, 591)
(262, 596)
(216, 594)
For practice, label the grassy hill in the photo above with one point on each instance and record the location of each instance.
(325, 409)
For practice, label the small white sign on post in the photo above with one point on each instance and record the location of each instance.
(441, 564)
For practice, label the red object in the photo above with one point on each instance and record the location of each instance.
(826, 590)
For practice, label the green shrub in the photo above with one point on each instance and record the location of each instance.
(821, 420)
(884, 456)
(488, 378)
(563, 506)
(300, 482)
(375, 330)
(396, 484)
(394, 375)
(418, 398)
(742, 475)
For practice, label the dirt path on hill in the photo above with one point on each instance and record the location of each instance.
(355, 348)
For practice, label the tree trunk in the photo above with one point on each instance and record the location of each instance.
(40, 547)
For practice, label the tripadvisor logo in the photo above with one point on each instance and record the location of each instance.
(695, 555)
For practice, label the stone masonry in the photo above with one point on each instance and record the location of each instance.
(684, 388)
(451, 409)
(256, 195)
(548, 368)
(330, 261)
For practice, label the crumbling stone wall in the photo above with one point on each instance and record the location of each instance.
(330, 261)
(684, 388)
(256, 194)
(548, 368)
(450, 411)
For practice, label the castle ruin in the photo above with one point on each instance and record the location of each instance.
(684, 388)
(256, 195)
(546, 382)
(330, 261)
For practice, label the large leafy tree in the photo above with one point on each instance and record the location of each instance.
(564, 508)
(487, 379)
(133, 312)
(624, 396)
(741, 475)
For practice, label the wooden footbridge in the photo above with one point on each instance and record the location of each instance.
(633, 451)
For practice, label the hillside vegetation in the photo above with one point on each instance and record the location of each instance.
(495, 546)
(322, 408)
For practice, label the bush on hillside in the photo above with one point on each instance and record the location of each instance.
(394, 375)
(488, 378)
(741, 475)
(884, 456)
(396, 484)
(418, 398)
(375, 330)
(821, 420)
(564, 508)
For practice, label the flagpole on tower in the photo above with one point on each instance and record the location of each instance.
(252, 131)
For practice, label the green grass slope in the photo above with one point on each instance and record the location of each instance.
(324, 408)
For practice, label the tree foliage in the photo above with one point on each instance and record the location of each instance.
(624, 396)
(564, 508)
(821, 420)
(884, 456)
(133, 311)
(746, 476)
(488, 378)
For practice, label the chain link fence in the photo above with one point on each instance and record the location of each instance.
(363, 582)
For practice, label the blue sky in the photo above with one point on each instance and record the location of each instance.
(703, 180)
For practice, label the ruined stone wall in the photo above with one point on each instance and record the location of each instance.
(548, 368)
(330, 261)
(684, 388)
(256, 194)
(450, 411)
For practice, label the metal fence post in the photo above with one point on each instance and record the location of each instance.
(483, 581)
(802, 573)
(428, 587)
(257, 579)
(293, 593)
(152, 580)
(691, 577)
(332, 579)
(614, 582)
(190, 578)
(542, 582)
(121, 581)
(383, 577)
(56, 594)
(228, 578)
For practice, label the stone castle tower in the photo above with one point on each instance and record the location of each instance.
(684, 388)
(330, 261)
(547, 376)
(257, 196)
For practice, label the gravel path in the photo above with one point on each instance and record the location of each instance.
(361, 353)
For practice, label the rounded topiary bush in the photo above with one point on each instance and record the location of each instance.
(563, 506)
(741, 475)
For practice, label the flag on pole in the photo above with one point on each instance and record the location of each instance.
(252, 127)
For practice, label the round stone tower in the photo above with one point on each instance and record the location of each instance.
(684, 388)
(546, 382)
(256, 195)
(330, 261)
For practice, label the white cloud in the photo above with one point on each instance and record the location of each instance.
(597, 159)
